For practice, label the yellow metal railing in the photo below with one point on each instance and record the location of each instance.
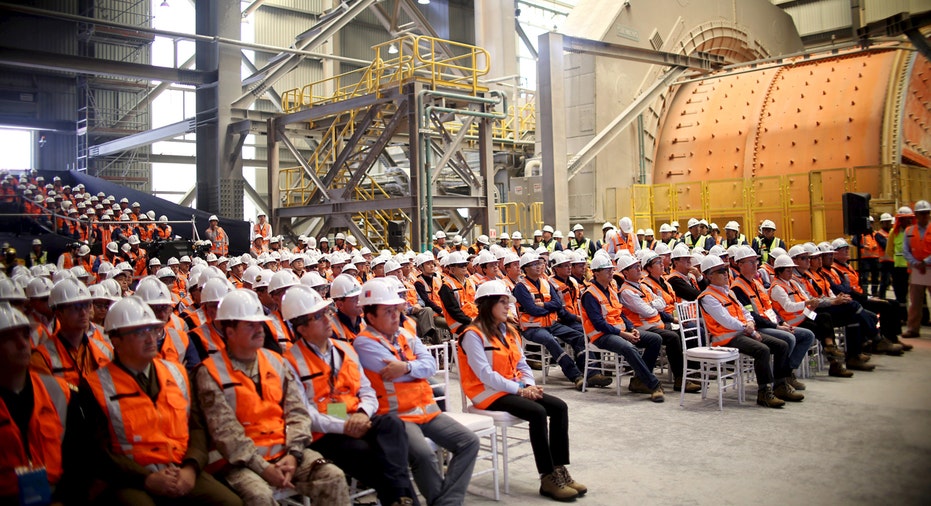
(416, 58)
(520, 121)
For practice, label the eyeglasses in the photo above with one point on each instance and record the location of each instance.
(319, 315)
(142, 332)
(78, 306)
(719, 271)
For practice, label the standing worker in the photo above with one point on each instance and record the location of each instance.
(917, 252)
(220, 242)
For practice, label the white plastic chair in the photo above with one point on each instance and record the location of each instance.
(536, 351)
(713, 361)
(609, 361)
(481, 423)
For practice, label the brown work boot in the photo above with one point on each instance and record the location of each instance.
(552, 485)
(887, 347)
(838, 370)
(785, 392)
(905, 346)
(579, 383)
(765, 397)
(690, 386)
(858, 365)
(598, 380)
(656, 395)
(567, 478)
(636, 386)
(794, 382)
(833, 351)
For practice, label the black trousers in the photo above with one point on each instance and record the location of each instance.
(673, 343)
(548, 451)
(822, 326)
(761, 351)
(378, 459)
(885, 278)
(900, 284)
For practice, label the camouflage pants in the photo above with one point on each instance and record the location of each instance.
(324, 484)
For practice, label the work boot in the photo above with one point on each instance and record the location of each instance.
(838, 370)
(536, 365)
(794, 382)
(690, 386)
(636, 385)
(598, 380)
(564, 473)
(858, 365)
(656, 395)
(910, 334)
(864, 357)
(887, 347)
(765, 397)
(905, 346)
(833, 351)
(785, 392)
(579, 383)
(552, 485)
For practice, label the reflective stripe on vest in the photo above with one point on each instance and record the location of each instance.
(174, 347)
(315, 374)
(610, 310)
(503, 359)
(570, 294)
(662, 289)
(54, 351)
(721, 335)
(793, 293)
(633, 316)
(528, 321)
(147, 441)
(920, 246)
(464, 293)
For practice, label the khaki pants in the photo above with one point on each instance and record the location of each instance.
(207, 491)
(326, 485)
(916, 302)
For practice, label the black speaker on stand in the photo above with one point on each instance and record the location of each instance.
(397, 230)
(856, 213)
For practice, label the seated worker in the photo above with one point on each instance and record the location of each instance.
(428, 285)
(642, 308)
(795, 307)
(256, 414)
(540, 308)
(209, 334)
(398, 365)
(729, 324)
(606, 328)
(496, 377)
(34, 412)
(457, 293)
(347, 321)
(683, 278)
(750, 292)
(149, 438)
(370, 447)
(173, 341)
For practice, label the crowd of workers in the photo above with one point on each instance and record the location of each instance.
(228, 380)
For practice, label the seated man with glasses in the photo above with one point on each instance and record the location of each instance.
(370, 447)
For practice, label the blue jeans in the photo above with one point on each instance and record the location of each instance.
(572, 367)
(642, 365)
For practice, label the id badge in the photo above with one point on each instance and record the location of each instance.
(34, 489)
(337, 409)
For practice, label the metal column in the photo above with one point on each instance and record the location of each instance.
(551, 108)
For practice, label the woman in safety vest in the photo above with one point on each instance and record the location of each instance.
(496, 377)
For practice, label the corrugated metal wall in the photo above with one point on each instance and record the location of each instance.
(278, 27)
(818, 17)
(880, 9)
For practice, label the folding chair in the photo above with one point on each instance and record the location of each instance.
(712, 360)
(604, 361)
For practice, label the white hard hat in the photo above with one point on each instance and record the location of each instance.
(457, 240)
(797, 250)
(885, 217)
(344, 286)
(517, 236)
(537, 233)
(213, 217)
(922, 206)
(10, 290)
(222, 260)
(547, 228)
(493, 288)
(505, 235)
(440, 234)
(662, 249)
(133, 239)
(155, 262)
(812, 249)
(826, 248)
(557, 234)
(626, 225)
(211, 257)
(68, 291)
(351, 240)
(647, 257)
(12, 318)
(730, 251)
(732, 225)
(541, 250)
(165, 272)
(482, 239)
(457, 258)
(693, 222)
(379, 291)
(283, 279)
(904, 211)
(301, 300)
(153, 292)
(839, 243)
(423, 258)
(665, 227)
(486, 257)
(768, 224)
(237, 261)
(601, 262)
(777, 252)
(250, 273)
(313, 279)
(743, 252)
(625, 261)
(784, 261)
(577, 227)
(640, 231)
(79, 272)
(710, 262)
(241, 305)
(648, 231)
(528, 258)
(37, 242)
(38, 288)
(263, 278)
(214, 289)
(681, 251)
(714, 226)
(511, 257)
(130, 312)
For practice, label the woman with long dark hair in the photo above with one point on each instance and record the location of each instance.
(496, 377)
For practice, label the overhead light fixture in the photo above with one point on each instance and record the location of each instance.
(164, 3)
(423, 2)
(392, 49)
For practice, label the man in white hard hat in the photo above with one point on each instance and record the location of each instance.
(370, 447)
(917, 253)
(220, 242)
(173, 342)
(256, 414)
(439, 242)
(149, 435)
(767, 240)
(457, 295)
(578, 241)
(886, 262)
(649, 239)
(869, 251)
(38, 255)
(262, 228)
(732, 235)
(397, 364)
(504, 240)
(549, 241)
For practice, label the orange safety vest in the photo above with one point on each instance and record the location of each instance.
(433, 289)
(176, 341)
(869, 248)
(221, 243)
(412, 400)
(503, 358)
(570, 294)
(882, 255)
(759, 298)
(919, 246)
(321, 385)
(261, 415)
(196, 315)
(633, 316)
(688, 278)
(662, 289)
(264, 230)
(279, 330)
(342, 332)
(45, 433)
(611, 310)
(153, 433)
(411, 294)
(465, 295)
(721, 335)
(528, 321)
(794, 294)
(852, 276)
(211, 340)
(63, 365)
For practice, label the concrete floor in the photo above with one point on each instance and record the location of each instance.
(863, 440)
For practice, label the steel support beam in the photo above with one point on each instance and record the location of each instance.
(142, 138)
(603, 138)
(526, 39)
(350, 207)
(703, 62)
(41, 60)
(551, 95)
(304, 165)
